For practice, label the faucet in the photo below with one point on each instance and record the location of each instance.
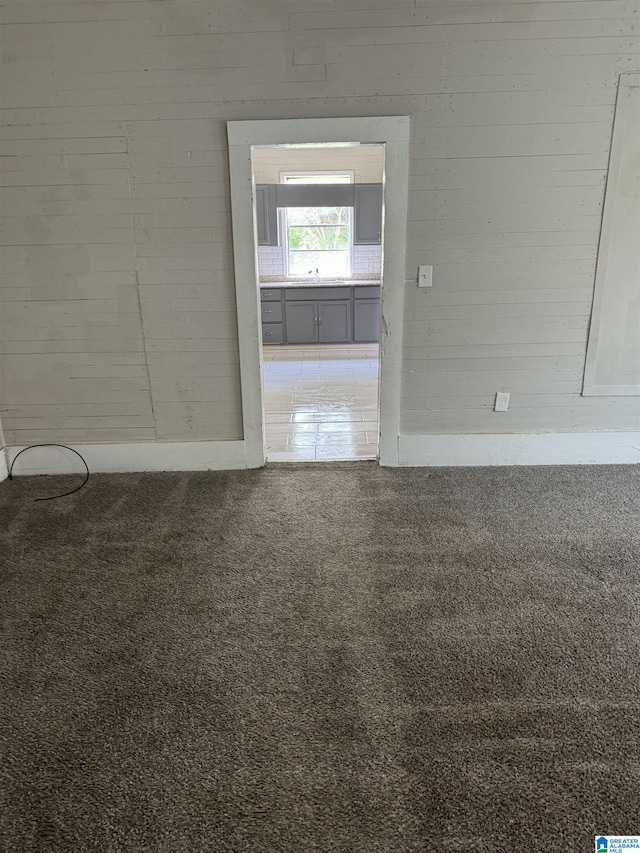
(317, 274)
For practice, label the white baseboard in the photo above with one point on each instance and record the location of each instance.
(123, 458)
(558, 448)
(590, 448)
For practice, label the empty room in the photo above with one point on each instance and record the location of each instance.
(319, 426)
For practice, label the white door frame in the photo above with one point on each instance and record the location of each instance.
(393, 131)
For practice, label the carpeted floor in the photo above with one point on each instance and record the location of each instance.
(321, 658)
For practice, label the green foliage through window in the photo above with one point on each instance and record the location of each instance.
(318, 228)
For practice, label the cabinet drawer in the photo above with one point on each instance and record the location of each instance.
(271, 312)
(317, 293)
(367, 291)
(272, 333)
(270, 294)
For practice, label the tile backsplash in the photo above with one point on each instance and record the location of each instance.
(366, 262)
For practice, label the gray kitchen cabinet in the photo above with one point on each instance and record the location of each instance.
(368, 214)
(327, 315)
(271, 316)
(272, 333)
(366, 320)
(366, 199)
(271, 311)
(270, 294)
(334, 322)
(302, 322)
(266, 215)
(322, 321)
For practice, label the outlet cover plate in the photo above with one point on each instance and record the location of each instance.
(502, 402)
(425, 276)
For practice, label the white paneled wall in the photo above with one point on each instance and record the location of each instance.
(118, 320)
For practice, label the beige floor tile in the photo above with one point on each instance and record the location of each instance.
(341, 427)
(326, 440)
(335, 453)
(321, 402)
(300, 454)
(327, 416)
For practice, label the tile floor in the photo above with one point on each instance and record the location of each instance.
(321, 402)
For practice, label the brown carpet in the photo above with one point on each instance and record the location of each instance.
(321, 658)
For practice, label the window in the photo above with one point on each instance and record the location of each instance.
(318, 239)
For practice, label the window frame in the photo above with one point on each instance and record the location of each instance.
(284, 229)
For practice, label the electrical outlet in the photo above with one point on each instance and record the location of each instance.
(502, 402)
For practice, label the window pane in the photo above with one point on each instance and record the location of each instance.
(318, 215)
(319, 238)
(318, 179)
(327, 263)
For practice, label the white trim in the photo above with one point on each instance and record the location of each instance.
(135, 457)
(393, 132)
(303, 173)
(617, 262)
(4, 468)
(566, 448)
(591, 448)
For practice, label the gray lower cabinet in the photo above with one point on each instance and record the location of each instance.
(322, 321)
(272, 333)
(328, 315)
(334, 322)
(271, 310)
(366, 320)
(302, 322)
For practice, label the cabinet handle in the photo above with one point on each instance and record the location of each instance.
(266, 310)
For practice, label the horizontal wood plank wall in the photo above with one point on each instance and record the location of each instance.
(118, 321)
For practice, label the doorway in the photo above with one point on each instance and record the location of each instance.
(345, 392)
(319, 214)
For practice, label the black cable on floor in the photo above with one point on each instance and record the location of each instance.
(64, 446)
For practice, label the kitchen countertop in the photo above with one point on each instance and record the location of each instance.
(314, 283)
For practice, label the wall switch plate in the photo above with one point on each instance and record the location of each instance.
(502, 402)
(425, 276)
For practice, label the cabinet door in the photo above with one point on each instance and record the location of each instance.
(366, 320)
(334, 322)
(301, 322)
(266, 215)
(368, 214)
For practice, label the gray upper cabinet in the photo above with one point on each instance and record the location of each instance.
(366, 199)
(267, 215)
(368, 214)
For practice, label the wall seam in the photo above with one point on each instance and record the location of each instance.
(139, 300)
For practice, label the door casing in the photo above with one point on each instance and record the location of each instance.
(393, 132)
